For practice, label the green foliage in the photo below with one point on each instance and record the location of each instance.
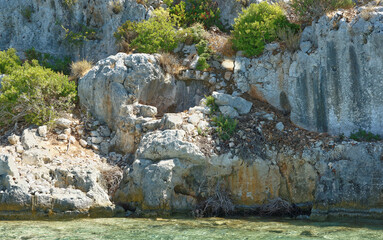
(48, 61)
(169, 3)
(362, 135)
(178, 13)
(257, 25)
(210, 102)
(79, 34)
(27, 13)
(225, 126)
(9, 61)
(192, 35)
(150, 36)
(203, 51)
(34, 94)
(203, 11)
(308, 10)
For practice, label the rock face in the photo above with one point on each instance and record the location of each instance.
(332, 84)
(46, 34)
(39, 181)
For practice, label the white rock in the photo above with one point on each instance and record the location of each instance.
(83, 143)
(43, 131)
(279, 126)
(62, 137)
(72, 139)
(63, 123)
(13, 139)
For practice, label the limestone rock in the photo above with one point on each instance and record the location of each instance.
(172, 121)
(168, 144)
(29, 139)
(7, 165)
(83, 143)
(63, 123)
(13, 139)
(228, 111)
(43, 131)
(36, 156)
(240, 104)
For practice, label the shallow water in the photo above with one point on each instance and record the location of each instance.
(212, 228)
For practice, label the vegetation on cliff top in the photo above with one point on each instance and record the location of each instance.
(31, 93)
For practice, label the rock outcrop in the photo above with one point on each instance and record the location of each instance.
(40, 24)
(332, 83)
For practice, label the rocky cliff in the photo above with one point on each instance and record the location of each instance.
(332, 83)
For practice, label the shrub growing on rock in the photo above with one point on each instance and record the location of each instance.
(8, 61)
(203, 11)
(150, 36)
(80, 68)
(257, 25)
(34, 94)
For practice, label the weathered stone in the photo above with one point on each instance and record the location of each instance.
(36, 156)
(13, 139)
(63, 123)
(228, 64)
(104, 148)
(97, 140)
(83, 143)
(228, 111)
(7, 165)
(62, 137)
(194, 119)
(238, 103)
(172, 121)
(29, 139)
(279, 126)
(43, 131)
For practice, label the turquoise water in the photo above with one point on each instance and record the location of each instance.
(212, 228)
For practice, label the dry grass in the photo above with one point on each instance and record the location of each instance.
(290, 39)
(112, 176)
(170, 63)
(277, 207)
(80, 68)
(221, 43)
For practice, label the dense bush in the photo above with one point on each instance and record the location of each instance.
(193, 34)
(204, 52)
(32, 93)
(203, 11)
(49, 61)
(257, 25)
(150, 36)
(8, 61)
(308, 10)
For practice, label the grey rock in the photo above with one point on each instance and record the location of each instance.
(104, 148)
(168, 144)
(172, 121)
(228, 111)
(279, 126)
(97, 140)
(29, 139)
(105, 131)
(63, 123)
(7, 165)
(305, 46)
(241, 105)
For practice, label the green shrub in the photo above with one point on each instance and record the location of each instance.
(192, 35)
(308, 10)
(116, 6)
(203, 51)
(362, 135)
(169, 3)
(203, 11)
(48, 61)
(79, 34)
(69, 3)
(9, 61)
(225, 126)
(150, 36)
(257, 25)
(178, 13)
(34, 94)
(210, 102)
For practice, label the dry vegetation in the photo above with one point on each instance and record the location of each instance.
(80, 68)
(290, 39)
(170, 63)
(221, 43)
(112, 176)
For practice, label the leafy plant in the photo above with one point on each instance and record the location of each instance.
(308, 10)
(169, 3)
(79, 34)
(257, 25)
(192, 35)
(225, 126)
(48, 61)
(203, 11)
(178, 13)
(362, 135)
(210, 102)
(9, 61)
(203, 51)
(34, 94)
(150, 36)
